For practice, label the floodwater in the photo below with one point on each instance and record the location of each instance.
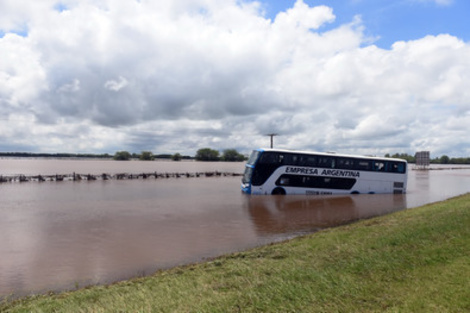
(63, 235)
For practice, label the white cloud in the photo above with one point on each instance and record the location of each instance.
(21, 74)
(113, 75)
(303, 17)
(116, 85)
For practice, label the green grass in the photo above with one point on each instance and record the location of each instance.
(411, 261)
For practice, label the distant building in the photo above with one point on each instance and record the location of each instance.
(423, 159)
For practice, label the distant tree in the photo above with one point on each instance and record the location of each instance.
(146, 156)
(404, 156)
(207, 154)
(122, 156)
(459, 161)
(444, 159)
(232, 155)
(176, 157)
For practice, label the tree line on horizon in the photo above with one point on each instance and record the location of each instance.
(203, 154)
(444, 159)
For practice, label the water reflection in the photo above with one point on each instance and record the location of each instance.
(422, 180)
(287, 214)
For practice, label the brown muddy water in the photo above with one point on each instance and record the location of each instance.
(63, 235)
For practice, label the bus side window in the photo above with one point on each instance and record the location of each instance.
(269, 158)
(396, 167)
(344, 164)
(325, 162)
(295, 159)
(263, 159)
(308, 160)
(400, 167)
(379, 166)
(291, 159)
(362, 165)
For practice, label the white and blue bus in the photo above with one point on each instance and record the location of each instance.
(274, 171)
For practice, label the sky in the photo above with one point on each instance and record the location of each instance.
(351, 76)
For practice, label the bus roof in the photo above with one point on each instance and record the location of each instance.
(331, 154)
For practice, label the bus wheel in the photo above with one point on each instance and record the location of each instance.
(278, 191)
(355, 192)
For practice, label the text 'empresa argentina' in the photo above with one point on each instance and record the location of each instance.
(322, 172)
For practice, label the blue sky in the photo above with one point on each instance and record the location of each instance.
(394, 20)
(352, 76)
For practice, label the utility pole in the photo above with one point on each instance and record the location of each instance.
(271, 135)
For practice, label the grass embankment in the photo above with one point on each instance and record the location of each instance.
(411, 261)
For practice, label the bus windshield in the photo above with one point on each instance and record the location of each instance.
(253, 157)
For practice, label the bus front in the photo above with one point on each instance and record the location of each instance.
(249, 168)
